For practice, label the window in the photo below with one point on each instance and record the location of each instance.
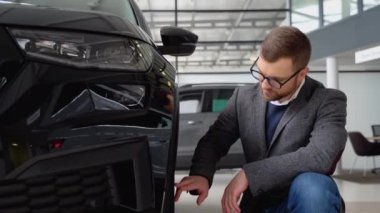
(219, 98)
(370, 3)
(336, 10)
(190, 103)
(305, 15)
(120, 8)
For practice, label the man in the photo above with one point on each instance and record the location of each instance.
(292, 130)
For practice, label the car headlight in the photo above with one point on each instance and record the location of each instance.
(84, 50)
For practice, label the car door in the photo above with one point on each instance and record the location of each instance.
(198, 111)
(191, 124)
(217, 100)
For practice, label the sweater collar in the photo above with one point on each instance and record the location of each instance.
(294, 96)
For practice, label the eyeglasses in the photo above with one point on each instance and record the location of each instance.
(255, 71)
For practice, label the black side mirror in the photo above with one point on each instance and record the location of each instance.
(177, 41)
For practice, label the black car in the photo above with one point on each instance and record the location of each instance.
(200, 105)
(88, 113)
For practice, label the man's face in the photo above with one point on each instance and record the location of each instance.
(281, 70)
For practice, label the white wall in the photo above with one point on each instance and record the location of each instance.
(363, 108)
(363, 101)
(191, 78)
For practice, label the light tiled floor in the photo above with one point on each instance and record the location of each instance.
(359, 198)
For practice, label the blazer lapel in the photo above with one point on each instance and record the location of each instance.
(293, 109)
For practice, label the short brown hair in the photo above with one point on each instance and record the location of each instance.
(287, 42)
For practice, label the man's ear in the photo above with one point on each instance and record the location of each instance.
(304, 72)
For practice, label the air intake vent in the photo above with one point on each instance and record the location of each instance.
(67, 192)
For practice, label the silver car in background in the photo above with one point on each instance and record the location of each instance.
(200, 105)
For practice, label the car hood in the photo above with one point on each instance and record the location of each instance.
(14, 14)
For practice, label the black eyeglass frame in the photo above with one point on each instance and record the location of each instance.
(269, 79)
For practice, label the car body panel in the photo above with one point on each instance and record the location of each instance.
(63, 19)
(203, 104)
(92, 138)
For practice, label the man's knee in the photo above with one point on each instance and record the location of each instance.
(313, 185)
(314, 191)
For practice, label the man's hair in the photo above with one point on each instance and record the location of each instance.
(288, 42)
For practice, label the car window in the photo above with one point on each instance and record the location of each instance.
(219, 99)
(121, 8)
(190, 103)
(140, 18)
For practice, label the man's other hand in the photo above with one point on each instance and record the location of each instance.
(233, 192)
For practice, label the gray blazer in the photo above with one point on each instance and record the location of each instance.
(310, 137)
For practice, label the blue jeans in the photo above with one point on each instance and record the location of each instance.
(312, 193)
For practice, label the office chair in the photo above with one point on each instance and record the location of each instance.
(376, 131)
(362, 147)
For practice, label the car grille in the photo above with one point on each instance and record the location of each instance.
(67, 192)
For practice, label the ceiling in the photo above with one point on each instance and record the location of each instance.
(230, 32)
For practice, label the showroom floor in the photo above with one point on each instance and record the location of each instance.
(359, 197)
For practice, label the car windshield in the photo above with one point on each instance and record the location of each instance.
(121, 8)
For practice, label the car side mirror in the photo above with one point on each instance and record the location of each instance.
(177, 41)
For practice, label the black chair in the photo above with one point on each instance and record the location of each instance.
(364, 148)
(376, 131)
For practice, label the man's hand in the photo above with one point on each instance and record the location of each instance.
(233, 192)
(189, 183)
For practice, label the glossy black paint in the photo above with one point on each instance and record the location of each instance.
(21, 15)
(49, 110)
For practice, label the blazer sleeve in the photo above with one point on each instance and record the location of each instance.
(217, 141)
(320, 154)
